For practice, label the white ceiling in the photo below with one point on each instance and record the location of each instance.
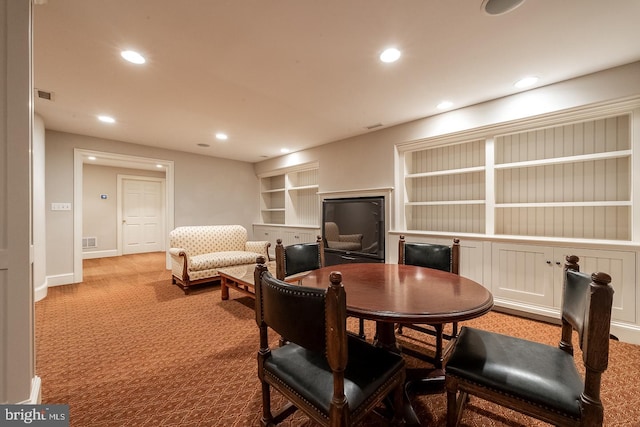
(301, 73)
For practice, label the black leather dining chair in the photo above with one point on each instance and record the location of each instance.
(539, 380)
(335, 378)
(440, 257)
(298, 258)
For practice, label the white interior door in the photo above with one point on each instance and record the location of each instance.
(142, 215)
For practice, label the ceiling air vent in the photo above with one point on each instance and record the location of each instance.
(43, 94)
(377, 125)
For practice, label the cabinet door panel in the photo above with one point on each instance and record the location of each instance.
(268, 234)
(621, 266)
(523, 273)
(471, 260)
(289, 236)
(293, 237)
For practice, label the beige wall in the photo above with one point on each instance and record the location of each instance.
(367, 161)
(207, 190)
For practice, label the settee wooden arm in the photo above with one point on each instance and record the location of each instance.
(178, 253)
(258, 246)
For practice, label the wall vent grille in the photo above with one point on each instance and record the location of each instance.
(43, 94)
(89, 242)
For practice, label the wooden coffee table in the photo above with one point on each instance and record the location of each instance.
(240, 278)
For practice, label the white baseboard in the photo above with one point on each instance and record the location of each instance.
(40, 292)
(625, 332)
(545, 314)
(60, 279)
(35, 397)
(100, 254)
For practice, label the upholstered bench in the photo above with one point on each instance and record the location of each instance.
(197, 252)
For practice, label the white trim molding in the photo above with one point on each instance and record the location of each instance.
(35, 398)
(40, 291)
(101, 254)
(60, 279)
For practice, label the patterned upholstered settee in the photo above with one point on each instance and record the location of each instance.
(197, 252)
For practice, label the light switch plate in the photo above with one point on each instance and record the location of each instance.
(60, 206)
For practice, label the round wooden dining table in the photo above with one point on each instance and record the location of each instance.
(396, 293)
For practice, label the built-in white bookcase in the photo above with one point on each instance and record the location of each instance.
(272, 204)
(289, 206)
(445, 188)
(569, 181)
(302, 197)
(290, 197)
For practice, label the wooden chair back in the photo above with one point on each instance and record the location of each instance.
(586, 309)
(298, 258)
(441, 257)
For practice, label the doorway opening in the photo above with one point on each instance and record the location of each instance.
(82, 156)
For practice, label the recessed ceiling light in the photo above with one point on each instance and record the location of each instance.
(284, 150)
(106, 119)
(91, 157)
(159, 166)
(390, 55)
(222, 136)
(133, 57)
(444, 105)
(526, 82)
(500, 7)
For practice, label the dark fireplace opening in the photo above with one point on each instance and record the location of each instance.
(353, 229)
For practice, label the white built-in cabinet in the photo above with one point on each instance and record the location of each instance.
(529, 277)
(523, 196)
(288, 235)
(289, 206)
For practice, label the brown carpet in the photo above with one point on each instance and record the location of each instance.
(127, 348)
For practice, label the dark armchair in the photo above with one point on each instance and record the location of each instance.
(440, 257)
(536, 379)
(334, 378)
